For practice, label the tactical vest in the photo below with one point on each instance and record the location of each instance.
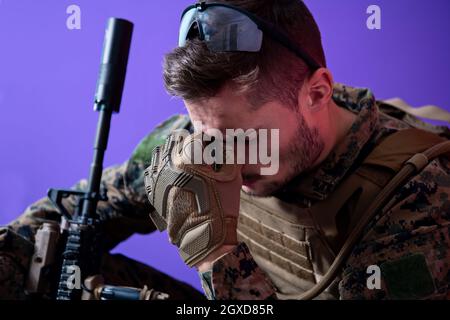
(296, 245)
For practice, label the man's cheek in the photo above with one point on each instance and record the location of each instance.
(251, 170)
(269, 153)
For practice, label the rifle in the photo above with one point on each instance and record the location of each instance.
(81, 231)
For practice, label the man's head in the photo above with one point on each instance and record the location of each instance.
(270, 89)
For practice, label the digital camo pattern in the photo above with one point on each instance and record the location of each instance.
(237, 276)
(15, 254)
(410, 244)
(124, 214)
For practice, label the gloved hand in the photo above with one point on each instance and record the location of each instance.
(198, 204)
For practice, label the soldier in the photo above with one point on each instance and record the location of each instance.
(361, 184)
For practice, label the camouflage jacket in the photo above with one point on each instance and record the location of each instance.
(411, 242)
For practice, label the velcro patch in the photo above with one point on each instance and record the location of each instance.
(408, 278)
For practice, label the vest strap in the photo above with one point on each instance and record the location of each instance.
(413, 166)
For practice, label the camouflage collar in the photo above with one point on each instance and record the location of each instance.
(318, 184)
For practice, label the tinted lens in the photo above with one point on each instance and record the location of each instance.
(226, 29)
(186, 24)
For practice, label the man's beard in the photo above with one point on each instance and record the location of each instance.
(300, 155)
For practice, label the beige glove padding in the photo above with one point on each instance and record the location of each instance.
(198, 204)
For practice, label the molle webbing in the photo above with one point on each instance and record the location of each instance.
(281, 237)
(279, 248)
(297, 245)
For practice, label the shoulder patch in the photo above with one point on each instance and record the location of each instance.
(142, 152)
(408, 278)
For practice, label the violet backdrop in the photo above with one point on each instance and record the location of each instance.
(48, 75)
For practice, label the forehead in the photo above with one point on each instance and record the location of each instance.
(230, 109)
(227, 110)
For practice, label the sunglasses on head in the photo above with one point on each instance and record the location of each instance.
(226, 28)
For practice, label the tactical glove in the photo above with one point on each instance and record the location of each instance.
(198, 204)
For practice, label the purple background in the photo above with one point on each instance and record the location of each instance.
(48, 75)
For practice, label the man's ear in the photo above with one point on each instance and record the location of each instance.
(317, 90)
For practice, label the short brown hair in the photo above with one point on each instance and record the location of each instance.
(273, 74)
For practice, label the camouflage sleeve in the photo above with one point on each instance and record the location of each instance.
(125, 212)
(127, 208)
(408, 247)
(236, 276)
(15, 255)
(122, 215)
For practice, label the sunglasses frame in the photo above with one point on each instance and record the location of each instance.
(267, 28)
